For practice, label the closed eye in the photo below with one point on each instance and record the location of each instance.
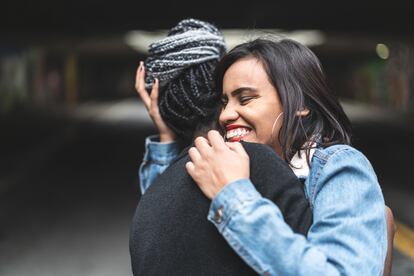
(245, 100)
(224, 101)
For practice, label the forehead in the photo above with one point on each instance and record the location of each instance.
(246, 72)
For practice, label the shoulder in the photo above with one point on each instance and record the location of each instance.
(338, 151)
(261, 153)
(264, 159)
(256, 148)
(340, 157)
(341, 168)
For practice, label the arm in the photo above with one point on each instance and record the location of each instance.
(391, 228)
(158, 156)
(151, 104)
(159, 150)
(348, 235)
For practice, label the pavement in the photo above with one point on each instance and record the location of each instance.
(69, 185)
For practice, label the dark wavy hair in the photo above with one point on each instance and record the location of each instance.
(296, 73)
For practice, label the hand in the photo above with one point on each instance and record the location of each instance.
(215, 163)
(151, 104)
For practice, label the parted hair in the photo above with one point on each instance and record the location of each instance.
(184, 63)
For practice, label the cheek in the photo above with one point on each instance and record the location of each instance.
(269, 128)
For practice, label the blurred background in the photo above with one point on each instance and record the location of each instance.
(72, 129)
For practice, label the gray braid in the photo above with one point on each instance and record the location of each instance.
(189, 43)
(183, 63)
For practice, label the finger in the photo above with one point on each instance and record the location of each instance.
(202, 146)
(138, 76)
(194, 155)
(216, 140)
(140, 85)
(154, 96)
(189, 166)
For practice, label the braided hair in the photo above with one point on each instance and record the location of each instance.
(184, 62)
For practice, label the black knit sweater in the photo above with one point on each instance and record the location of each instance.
(170, 233)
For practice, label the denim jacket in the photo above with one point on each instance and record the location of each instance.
(348, 235)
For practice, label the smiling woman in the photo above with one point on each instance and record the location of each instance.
(251, 105)
(262, 81)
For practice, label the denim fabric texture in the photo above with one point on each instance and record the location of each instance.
(157, 157)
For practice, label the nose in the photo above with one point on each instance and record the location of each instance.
(228, 115)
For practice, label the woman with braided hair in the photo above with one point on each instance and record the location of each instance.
(170, 234)
(183, 63)
(181, 67)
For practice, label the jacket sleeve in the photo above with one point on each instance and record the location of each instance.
(157, 157)
(347, 237)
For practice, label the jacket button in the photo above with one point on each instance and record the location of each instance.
(218, 216)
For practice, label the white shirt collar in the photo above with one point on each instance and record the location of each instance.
(299, 165)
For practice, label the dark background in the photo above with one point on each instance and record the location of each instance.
(44, 18)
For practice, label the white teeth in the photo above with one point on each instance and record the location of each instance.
(237, 132)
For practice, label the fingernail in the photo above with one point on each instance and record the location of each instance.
(155, 80)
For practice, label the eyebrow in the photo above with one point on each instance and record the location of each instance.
(239, 90)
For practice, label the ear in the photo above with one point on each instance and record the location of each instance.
(302, 112)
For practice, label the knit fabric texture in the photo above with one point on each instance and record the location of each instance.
(170, 233)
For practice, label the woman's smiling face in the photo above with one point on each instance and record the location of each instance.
(251, 104)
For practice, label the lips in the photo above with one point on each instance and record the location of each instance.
(235, 133)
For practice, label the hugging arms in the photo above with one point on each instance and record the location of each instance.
(261, 80)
